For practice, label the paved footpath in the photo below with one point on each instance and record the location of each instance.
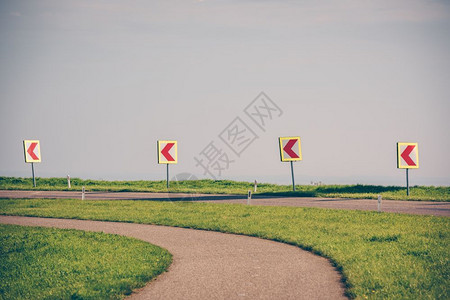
(212, 265)
(409, 207)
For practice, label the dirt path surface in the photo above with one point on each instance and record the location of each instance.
(410, 207)
(211, 265)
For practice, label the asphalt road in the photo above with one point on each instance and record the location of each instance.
(409, 207)
(212, 265)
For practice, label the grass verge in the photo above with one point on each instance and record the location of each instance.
(207, 186)
(47, 263)
(380, 255)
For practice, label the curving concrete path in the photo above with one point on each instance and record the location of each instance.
(212, 265)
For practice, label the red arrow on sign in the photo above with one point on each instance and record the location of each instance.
(165, 151)
(405, 155)
(288, 148)
(30, 151)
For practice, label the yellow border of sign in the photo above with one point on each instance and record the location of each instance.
(159, 152)
(281, 139)
(38, 151)
(416, 149)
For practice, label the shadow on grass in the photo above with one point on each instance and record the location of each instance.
(170, 197)
(357, 189)
(323, 191)
(308, 194)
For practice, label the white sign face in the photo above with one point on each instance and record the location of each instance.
(32, 151)
(290, 149)
(167, 152)
(407, 156)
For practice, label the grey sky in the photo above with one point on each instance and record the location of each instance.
(99, 82)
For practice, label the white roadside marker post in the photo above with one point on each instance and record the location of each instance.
(82, 193)
(68, 182)
(249, 197)
(256, 185)
(379, 203)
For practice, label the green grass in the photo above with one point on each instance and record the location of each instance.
(380, 255)
(47, 263)
(207, 186)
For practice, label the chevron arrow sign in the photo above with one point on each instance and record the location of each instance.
(167, 152)
(32, 151)
(407, 156)
(290, 149)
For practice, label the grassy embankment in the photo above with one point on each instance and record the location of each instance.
(46, 263)
(428, 193)
(380, 255)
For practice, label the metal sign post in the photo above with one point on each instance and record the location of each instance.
(32, 152)
(167, 154)
(32, 172)
(292, 173)
(167, 176)
(407, 182)
(290, 150)
(407, 158)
